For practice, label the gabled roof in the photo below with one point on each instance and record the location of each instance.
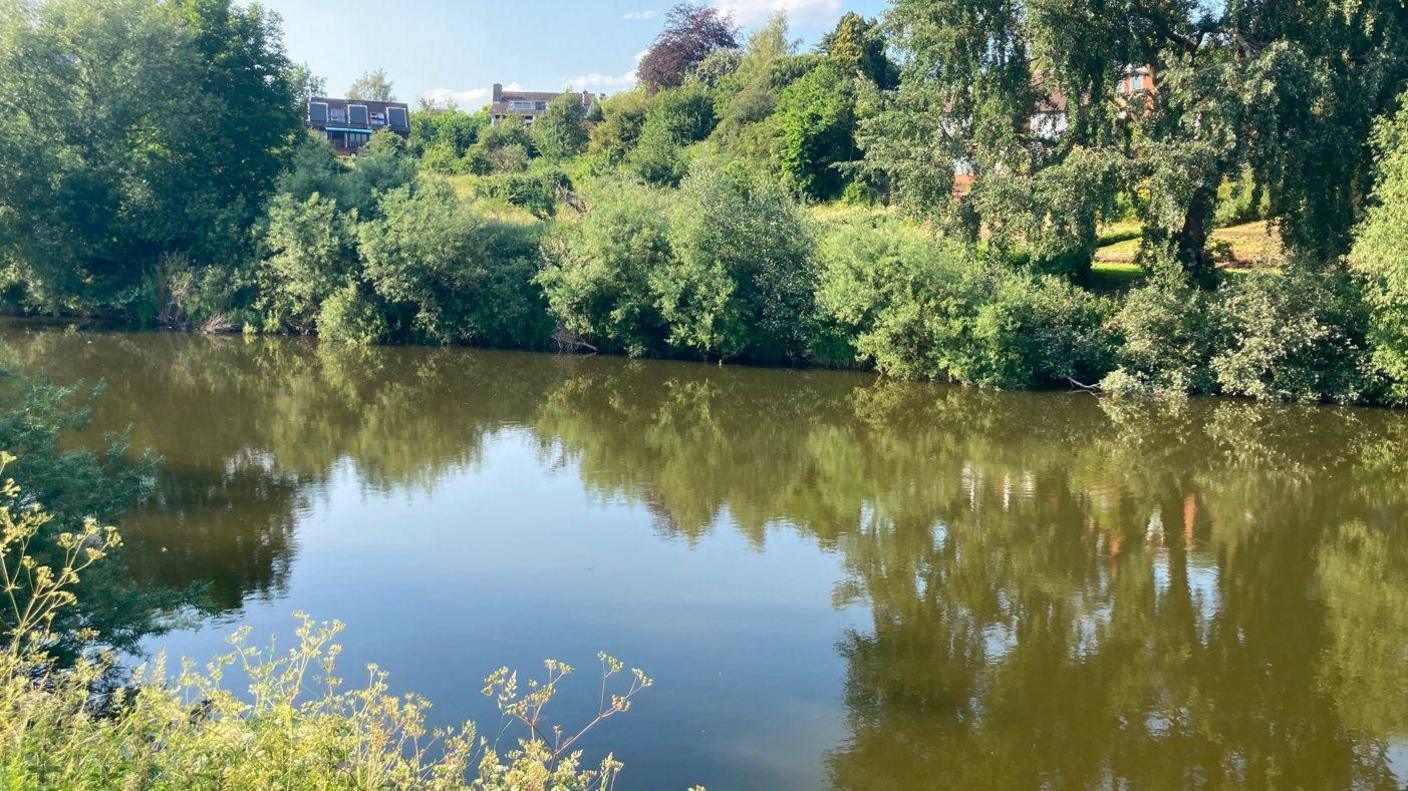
(501, 98)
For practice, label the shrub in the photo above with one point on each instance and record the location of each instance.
(923, 308)
(352, 315)
(1166, 336)
(1037, 330)
(535, 192)
(314, 169)
(742, 280)
(561, 132)
(502, 148)
(615, 137)
(659, 158)
(448, 275)
(1380, 256)
(383, 165)
(312, 254)
(451, 129)
(441, 157)
(675, 119)
(1294, 337)
(598, 276)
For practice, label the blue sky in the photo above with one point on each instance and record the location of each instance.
(456, 49)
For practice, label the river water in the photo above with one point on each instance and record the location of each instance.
(836, 581)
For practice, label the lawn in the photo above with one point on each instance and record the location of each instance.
(1242, 246)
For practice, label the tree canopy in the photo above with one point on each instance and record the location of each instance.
(373, 86)
(691, 33)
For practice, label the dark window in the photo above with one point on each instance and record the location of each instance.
(338, 115)
(397, 118)
(318, 112)
(357, 115)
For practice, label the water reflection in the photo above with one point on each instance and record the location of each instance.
(1061, 591)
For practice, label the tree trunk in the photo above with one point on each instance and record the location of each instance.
(1193, 238)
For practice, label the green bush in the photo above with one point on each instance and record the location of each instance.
(352, 315)
(311, 254)
(505, 147)
(535, 192)
(1240, 200)
(441, 157)
(923, 308)
(451, 129)
(448, 275)
(676, 118)
(742, 280)
(1167, 335)
(612, 140)
(598, 276)
(383, 165)
(816, 126)
(1380, 255)
(561, 131)
(1294, 337)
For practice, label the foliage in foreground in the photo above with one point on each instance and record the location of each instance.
(294, 726)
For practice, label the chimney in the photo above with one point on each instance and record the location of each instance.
(498, 92)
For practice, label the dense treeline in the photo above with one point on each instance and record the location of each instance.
(922, 193)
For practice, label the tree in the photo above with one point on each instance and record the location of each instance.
(857, 45)
(747, 98)
(561, 132)
(130, 131)
(1290, 90)
(242, 66)
(816, 132)
(691, 33)
(372, 86)
(305, 84)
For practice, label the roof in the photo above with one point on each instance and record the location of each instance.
(500, 104)
(339, 118)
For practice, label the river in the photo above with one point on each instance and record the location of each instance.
(836, 581)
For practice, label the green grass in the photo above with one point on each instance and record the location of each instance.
(1115, 275)
(1243, 246)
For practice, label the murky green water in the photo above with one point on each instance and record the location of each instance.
(837, 582)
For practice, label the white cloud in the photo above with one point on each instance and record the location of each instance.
(638, 15)
(601, 82)
(470, 99)
(751, 12)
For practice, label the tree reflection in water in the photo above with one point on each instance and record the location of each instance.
(1063, 591)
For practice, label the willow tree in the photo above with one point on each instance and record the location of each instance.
(1033, 98)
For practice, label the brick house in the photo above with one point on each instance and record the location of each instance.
(350, 123)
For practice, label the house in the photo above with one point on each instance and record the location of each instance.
(1048, 120)
(350, 123)
(527, 105)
